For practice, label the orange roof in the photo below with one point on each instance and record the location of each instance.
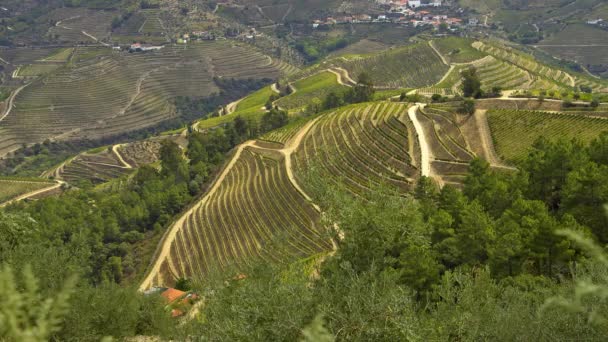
(172, 294)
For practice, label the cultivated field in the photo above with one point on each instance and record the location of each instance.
(458, 50)
(408, 67)
(514, 131)
(110, 93)
(310, 90)
(449, 148)
(580, 42)
(96, 168)
(253, 213)
(528, 63)
(249, 108)
(361, 146)
(11, 188)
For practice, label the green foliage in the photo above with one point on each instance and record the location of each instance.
(273, 119)
(316, 331)
(467, 106)
(25, 315)
(471, 85)
(590, 295)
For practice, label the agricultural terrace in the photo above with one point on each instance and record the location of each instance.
(362, 145)
(144, 152)
(38, 69)
(153, 24)
(94, 167)
(111, 94)
(11, 188)
(514, 131)
(284, 134)
(414, 66)
(583, 43)
(448, 146)
(312, 89)
(528, 63)
(254, 214)
(250, 108)
(82, 26)
(496, 73)
(61, 55)
(457, 50)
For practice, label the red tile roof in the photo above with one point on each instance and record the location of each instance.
(172, 294)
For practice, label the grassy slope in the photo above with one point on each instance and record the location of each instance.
(466, 53)
(13, 187)
(250, 108)
(311, 89)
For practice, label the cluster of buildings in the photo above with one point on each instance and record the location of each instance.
(598, 22)
(412, 3)
(402, 12)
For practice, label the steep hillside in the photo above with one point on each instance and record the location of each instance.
(107, 94)
(362, 146)
(253, 211)
(408, 67)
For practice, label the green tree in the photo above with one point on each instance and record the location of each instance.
(467, 106)
(471, 85)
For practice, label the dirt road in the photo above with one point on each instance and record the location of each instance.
(481, 120)
(11, 99)
(339, 78)
(432, 45)
(425, 158)
(119, 156)
(33, 193)
(172, 231)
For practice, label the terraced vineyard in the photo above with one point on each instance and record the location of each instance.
(11, 188)
(514, 131)
(526, 62)
(153, 23)
(110, 94)
(284, 134)
(82, 26)
(362, 145)
(244, 217)
(96, 168)
(496, 73)
(450, 150)
(408, 67)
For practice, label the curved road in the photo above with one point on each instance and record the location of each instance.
(425, 158)
(11, 99)
(34, 193)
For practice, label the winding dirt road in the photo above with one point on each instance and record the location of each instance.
(339, 78)
(425, 157)
(119, 156)
(11, 99)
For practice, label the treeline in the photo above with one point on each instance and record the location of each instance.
(489, 262)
